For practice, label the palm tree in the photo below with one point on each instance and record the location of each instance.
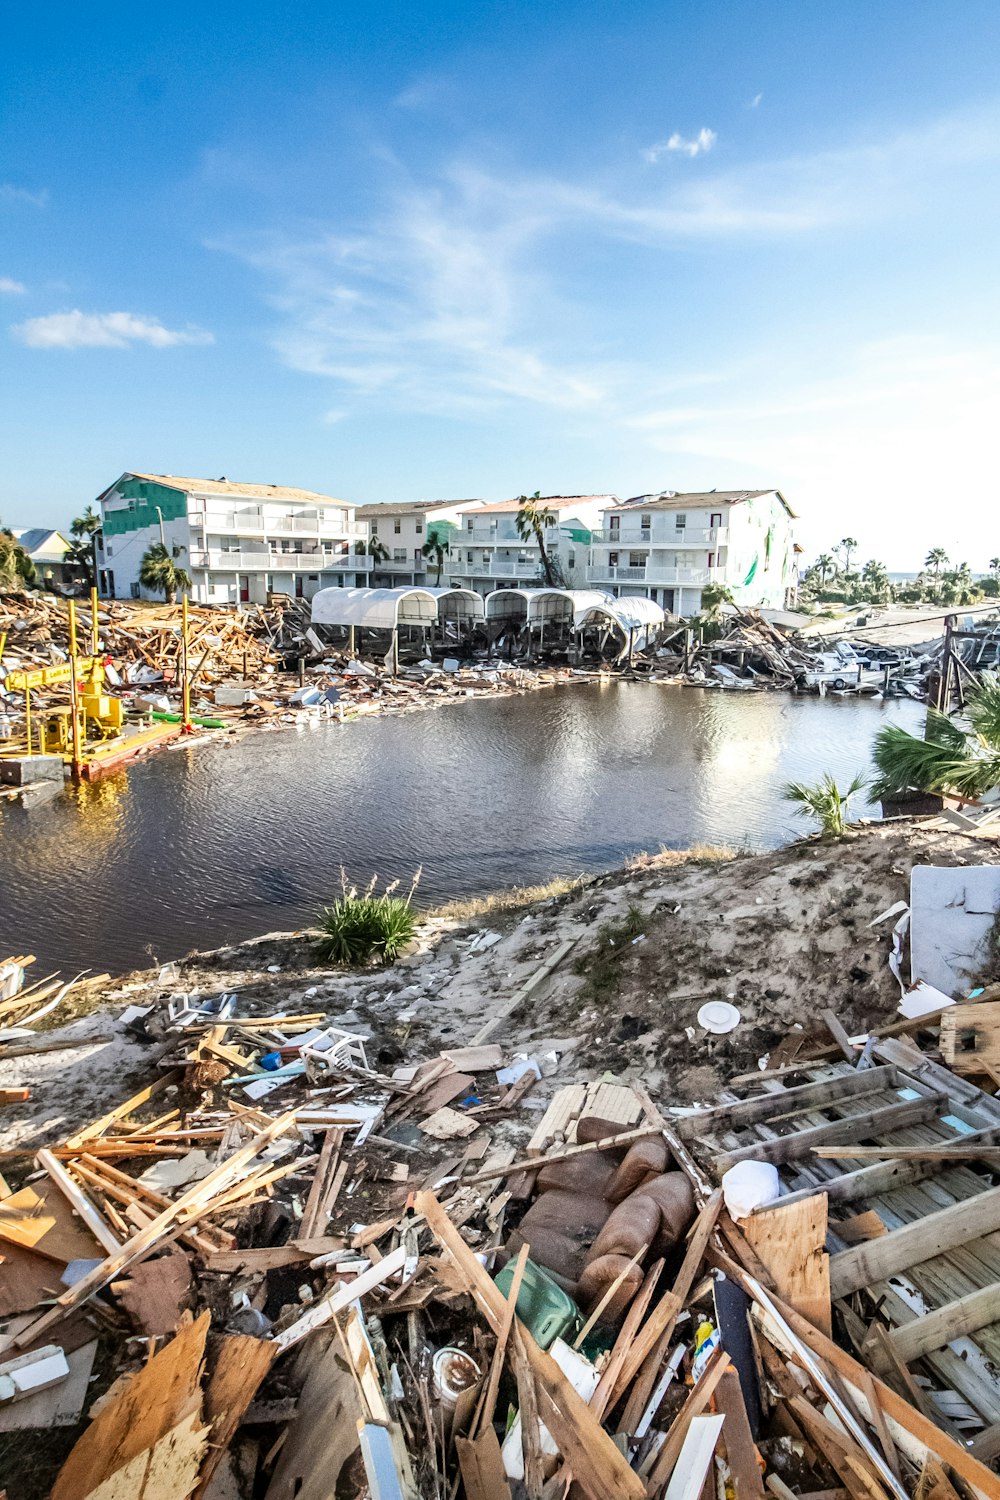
(17, 571)
(436, 547)
(824, 565)
(995, 566)
(83, 529)
(847, 545)
(947, 759)
(158, 571)
(825, 800)
(875, 577)
(531, 521)
(935, 560)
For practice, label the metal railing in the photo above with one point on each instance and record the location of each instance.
(650, 536)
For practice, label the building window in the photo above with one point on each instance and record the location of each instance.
(399, 554)
(397, 526)
(612, 559)
(109, 550)
(571, 560)
(711, 559)
(374, 528)
(716, 519)
(680, 521)
(468, 555)
(645, 522)
(637, 559)
(615, 523)
(420, 528)
(468, 526)
(134, 590)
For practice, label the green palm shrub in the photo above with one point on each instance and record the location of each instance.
(369, 926)
(824, 801)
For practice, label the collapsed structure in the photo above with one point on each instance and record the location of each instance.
(318, 1268)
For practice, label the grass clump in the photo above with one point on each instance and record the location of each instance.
(475, 907)
(664, 858)
(363, 927)
(825, 801)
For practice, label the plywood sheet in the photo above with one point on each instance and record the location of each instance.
(25, 1279)
(324, 1436)
(790, 1242)
(39, 1218)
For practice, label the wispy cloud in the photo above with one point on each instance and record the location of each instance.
(754, 103)
(11, 193)
(679, 145)
(12, 287)
(455, 293)
(113, 330)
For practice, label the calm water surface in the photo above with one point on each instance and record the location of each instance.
(200, 846)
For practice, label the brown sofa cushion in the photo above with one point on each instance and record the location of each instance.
(558, 1227)
(644, 1159)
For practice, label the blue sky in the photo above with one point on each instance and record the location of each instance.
(395, 252)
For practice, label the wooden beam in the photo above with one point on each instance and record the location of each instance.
(788, 1101)
(954, 1320)
(597, 1465)
(860, 1127)
(936, 1233)
(524, 993)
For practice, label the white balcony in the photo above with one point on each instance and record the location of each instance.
(401, 565)
(651, 536)
(255, 521)
(266, 561)
(652, 574)
(514, 567)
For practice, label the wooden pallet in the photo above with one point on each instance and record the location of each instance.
(934, 1276)
(584, 1101)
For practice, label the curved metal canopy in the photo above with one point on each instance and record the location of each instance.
(375, 609)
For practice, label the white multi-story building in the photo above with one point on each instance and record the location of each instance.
(488, 554)
(670, 546)
(239, 542)
(402, 529)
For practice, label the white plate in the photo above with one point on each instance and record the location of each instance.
(719, 1016)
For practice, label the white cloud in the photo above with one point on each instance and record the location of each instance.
(12, 287)
(681, 145)
(9, 193)
(114, 330)
(754, 103)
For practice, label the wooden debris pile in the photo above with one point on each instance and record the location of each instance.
(747, 647)
(312, 1278)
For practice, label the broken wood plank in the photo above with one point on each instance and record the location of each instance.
(80, 1203)
(482, 1468)
(808, 1096)
(912, 1243)
(597, 1465)
(955, 1320)
(525, 992)
(862, 1127)
(695, 1402)
(741, 1451)
(241, 1362)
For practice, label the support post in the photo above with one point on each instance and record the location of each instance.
(350, 641)
(95, 645)
(395, 651)
(74, 692)
(27, 715)
(186, 726)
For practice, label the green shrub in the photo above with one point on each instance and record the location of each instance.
(365, 927)
(824, 801)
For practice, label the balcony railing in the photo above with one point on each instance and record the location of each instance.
(651, 536)
(651, 574)
(514, 567)
(264, 560)
(255, 522)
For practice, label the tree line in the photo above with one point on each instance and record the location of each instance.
(833, 578)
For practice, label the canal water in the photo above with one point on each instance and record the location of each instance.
(195, 847)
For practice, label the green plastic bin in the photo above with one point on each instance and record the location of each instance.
(543, 1307)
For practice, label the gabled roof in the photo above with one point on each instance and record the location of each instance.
(552, 502)
(682, 500)
(409, 507)
(187, 485)
(42, 544)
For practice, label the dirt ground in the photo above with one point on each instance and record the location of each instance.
(782, 936)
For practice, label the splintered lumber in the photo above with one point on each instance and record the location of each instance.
(769, 1106)
(981, 1022)
(487, 1401)
(913, 1432)
(741, 1452)
(341, 1297)
(862, 1127)
(597, 1465)
(936, 1233)
(198, 1199)
(954, 1320)
(623, 1343)
(240, 1365)
(697, 1399)
(79, 1202)
(163, 1396)
(121, 1111)
(791, 1242)
(650, 1346)
(39, 1218)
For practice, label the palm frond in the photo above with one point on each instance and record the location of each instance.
(983, 708)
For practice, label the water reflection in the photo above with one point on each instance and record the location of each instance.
(198, 846)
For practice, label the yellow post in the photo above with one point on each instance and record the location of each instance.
(74, 691)
(94, 643)
(186, 724)
(27, 714)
